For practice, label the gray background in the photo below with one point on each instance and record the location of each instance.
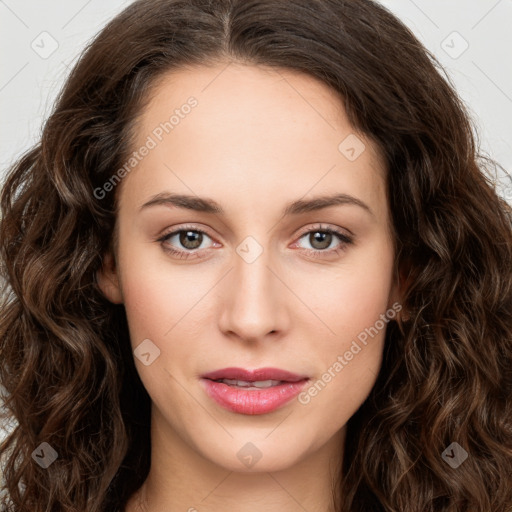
(40, 41)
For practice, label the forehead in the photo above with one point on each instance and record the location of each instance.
(252, 132)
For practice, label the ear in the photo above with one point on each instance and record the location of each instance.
(108, 280)
(400, 284)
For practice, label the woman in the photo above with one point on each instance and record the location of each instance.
(168, 342)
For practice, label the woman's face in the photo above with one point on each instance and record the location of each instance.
(242, 272)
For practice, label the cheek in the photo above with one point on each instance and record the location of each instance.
(351, 297)
(147, 307)
(350, 349)
(355, 308)
(158, 295)
(159, 305)
(348, 367)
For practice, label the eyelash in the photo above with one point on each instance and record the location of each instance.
(315, 253)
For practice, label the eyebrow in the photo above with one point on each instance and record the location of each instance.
(206, 205)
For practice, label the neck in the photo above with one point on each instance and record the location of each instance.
(180, 479)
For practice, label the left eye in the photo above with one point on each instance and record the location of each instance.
(323, 238)
(190, 239)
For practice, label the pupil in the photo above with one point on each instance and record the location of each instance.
(324, 239)
(185, 239)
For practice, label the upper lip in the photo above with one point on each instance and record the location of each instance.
(254, 375)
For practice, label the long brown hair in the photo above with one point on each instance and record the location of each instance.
(66, 363)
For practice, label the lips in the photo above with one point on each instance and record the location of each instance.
(260, 374)
(252, 391)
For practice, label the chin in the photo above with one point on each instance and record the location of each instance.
(255, 454)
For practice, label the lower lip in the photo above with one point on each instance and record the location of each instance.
(252, 401)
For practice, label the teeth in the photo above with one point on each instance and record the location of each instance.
(256, 384)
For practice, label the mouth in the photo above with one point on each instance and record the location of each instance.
(259, 384)
(252, 392)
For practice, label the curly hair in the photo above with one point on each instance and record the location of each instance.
(446, 376)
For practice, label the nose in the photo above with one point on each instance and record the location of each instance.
(253, 300)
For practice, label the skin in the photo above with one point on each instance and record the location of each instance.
(257, 140)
